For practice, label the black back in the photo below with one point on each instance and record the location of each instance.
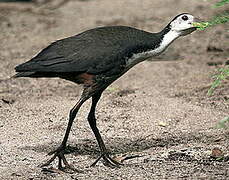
(94, 51)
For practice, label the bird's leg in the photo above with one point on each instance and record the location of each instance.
(92, 121)
(60, 151)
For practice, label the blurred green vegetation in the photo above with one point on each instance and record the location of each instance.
(223, 72)
(223, 18)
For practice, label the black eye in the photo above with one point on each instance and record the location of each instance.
(185, 18)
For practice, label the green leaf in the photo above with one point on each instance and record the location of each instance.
(222, 123)
(220, 19)
(221, 3)
(222, 75)
(201, 25)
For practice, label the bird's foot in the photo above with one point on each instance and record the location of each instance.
(108, 161)
(59, 153)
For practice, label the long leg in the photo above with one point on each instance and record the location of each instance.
(92, 121)
(59, 152)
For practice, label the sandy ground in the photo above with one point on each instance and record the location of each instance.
(158, 113)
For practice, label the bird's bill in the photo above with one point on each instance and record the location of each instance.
(195, 24)
(188, 31)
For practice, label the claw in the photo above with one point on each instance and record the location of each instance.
(59, 152)
(49, 161)
(108, 161)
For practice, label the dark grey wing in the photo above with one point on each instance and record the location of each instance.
(94, 51)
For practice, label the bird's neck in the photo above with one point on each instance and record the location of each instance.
(167, 36)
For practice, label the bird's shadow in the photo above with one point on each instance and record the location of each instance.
(125, 145)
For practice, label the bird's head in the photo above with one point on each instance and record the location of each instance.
(183, 24)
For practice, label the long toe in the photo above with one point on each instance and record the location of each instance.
(108, 161)
(111, 162)
(59, 153)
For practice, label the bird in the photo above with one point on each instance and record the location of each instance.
(96, 58)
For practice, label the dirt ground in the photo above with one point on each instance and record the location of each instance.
(157, 116)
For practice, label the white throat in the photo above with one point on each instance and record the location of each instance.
(165, 42)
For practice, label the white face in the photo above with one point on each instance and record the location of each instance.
(183, 24)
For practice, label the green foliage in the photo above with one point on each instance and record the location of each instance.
(201, 25)
(222, 75)
(220, 19)
(222, 123)
(221, 3)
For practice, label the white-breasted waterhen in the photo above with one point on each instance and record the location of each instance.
(96, 58)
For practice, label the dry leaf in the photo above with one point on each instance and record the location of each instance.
(216, 153)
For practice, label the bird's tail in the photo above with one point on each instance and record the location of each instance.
(23, 74)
